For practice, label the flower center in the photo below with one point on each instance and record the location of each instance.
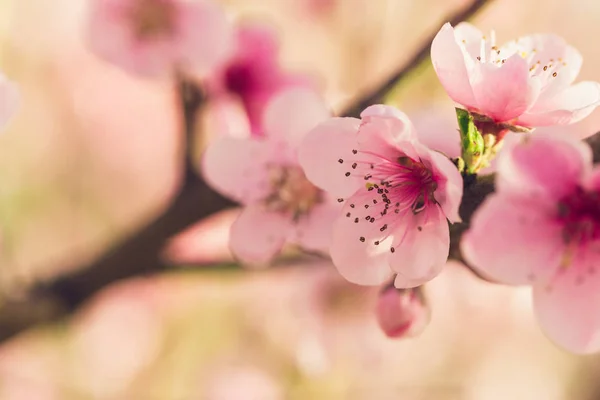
(396, 188)
(239, 79)
(153, 18)
(580, 215)
(292, 192)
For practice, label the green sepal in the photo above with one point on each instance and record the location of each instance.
(471, 140)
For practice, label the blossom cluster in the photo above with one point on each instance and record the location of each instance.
(367, 191)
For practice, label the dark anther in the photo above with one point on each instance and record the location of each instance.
(348, 215)
(347, 173)
(362, 238)
(354, 151)
(383, 228)
(377, 243)
(354, 166)
(340, 200)
(356, 220)
(351, 205)
(392, 249)
(341, 161)
(420, 228)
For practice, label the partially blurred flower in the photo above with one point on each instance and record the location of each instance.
(253, 75)
(398, 196)
(9, 100)
(402, 312)
(542, 228)
(263, 174)
(526, 82)
(154, 38)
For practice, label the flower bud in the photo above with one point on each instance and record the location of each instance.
(402, 312)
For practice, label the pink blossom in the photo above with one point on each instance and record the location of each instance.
(9, 100)
(526, 82)
(402, 312)
(397, 195)
(253, 74)
(542, 228)
(153, 38)
(263, 174)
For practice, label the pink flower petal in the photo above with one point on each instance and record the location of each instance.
(424, 250)
(359, 260)
(567, 310)
(292, 113)
(320, 152)
(9, 100)
(449, 64)
(314, 230)
(257, 41)
(553, 50)
(238, 168)
(258, 235)
(450, 185)
(530, 168)
(384, 131)
(503, 92)
(436, 129)
(384, 111)
(513, 241)
(566, 107)
(470, 37)
(205, 37)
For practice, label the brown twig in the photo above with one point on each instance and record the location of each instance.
(378, 93)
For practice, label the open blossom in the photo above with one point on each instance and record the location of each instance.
(253, 74)
(402, 313)
(397, 195)
(9, 100)
(153, 38)
(263, 174)
(542, 228)
(526, 82)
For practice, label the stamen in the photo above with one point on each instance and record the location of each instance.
(482, 50)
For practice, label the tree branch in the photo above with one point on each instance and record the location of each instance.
(377, 95)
